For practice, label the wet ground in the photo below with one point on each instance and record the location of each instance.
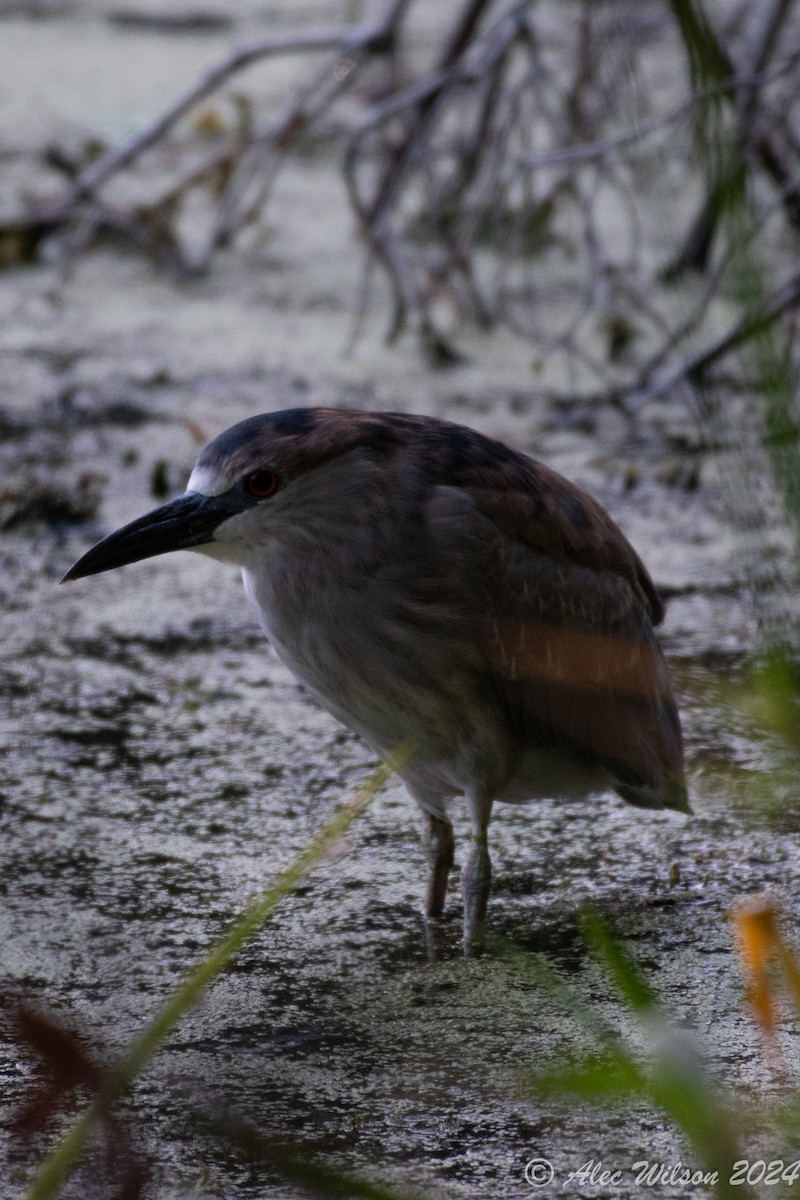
(161, 766)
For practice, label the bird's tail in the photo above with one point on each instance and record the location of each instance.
(671, 793)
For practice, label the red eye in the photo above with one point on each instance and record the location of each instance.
(261, 484)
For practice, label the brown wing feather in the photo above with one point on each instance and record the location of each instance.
(598, 688)
(541, 509)
(570, 644)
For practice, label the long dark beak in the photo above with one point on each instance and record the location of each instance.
(188, 521)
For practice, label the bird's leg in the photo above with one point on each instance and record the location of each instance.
(476, 876)
(439, 847)
(476, 882)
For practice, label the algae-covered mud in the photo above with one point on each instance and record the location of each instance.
(160, 766)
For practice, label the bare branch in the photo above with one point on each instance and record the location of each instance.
(594, 151)
(374, 38)
(122, 156)
(500, 182)
(748, 326)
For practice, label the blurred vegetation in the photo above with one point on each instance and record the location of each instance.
(67, 1065)
(772, 682)
(506, 163)
(669, 1075)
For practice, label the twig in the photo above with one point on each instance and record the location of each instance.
(454, 47)
(592, 151)
(300, 113)
(748, 325)
(263, 155)
(366, 38)
(312, 40)
(451, 196)
(770, 22)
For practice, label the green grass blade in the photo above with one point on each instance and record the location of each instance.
(58, 1166)
(619, 965)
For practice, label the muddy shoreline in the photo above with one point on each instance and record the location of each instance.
(162, 766)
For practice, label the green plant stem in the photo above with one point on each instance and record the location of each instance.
(58, 1166)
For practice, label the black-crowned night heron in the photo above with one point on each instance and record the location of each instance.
(438, 591)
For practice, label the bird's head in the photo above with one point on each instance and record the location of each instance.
(250, 482)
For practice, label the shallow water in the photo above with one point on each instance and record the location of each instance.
(162, 766)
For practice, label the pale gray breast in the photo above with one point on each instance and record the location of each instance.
(359, 598)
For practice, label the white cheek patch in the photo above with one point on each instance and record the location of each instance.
(232, 539)
(208, 482)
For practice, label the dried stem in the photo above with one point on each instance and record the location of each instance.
(500, 180)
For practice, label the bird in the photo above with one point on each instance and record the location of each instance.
(438, 591)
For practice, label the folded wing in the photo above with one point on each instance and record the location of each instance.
(570, 647)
